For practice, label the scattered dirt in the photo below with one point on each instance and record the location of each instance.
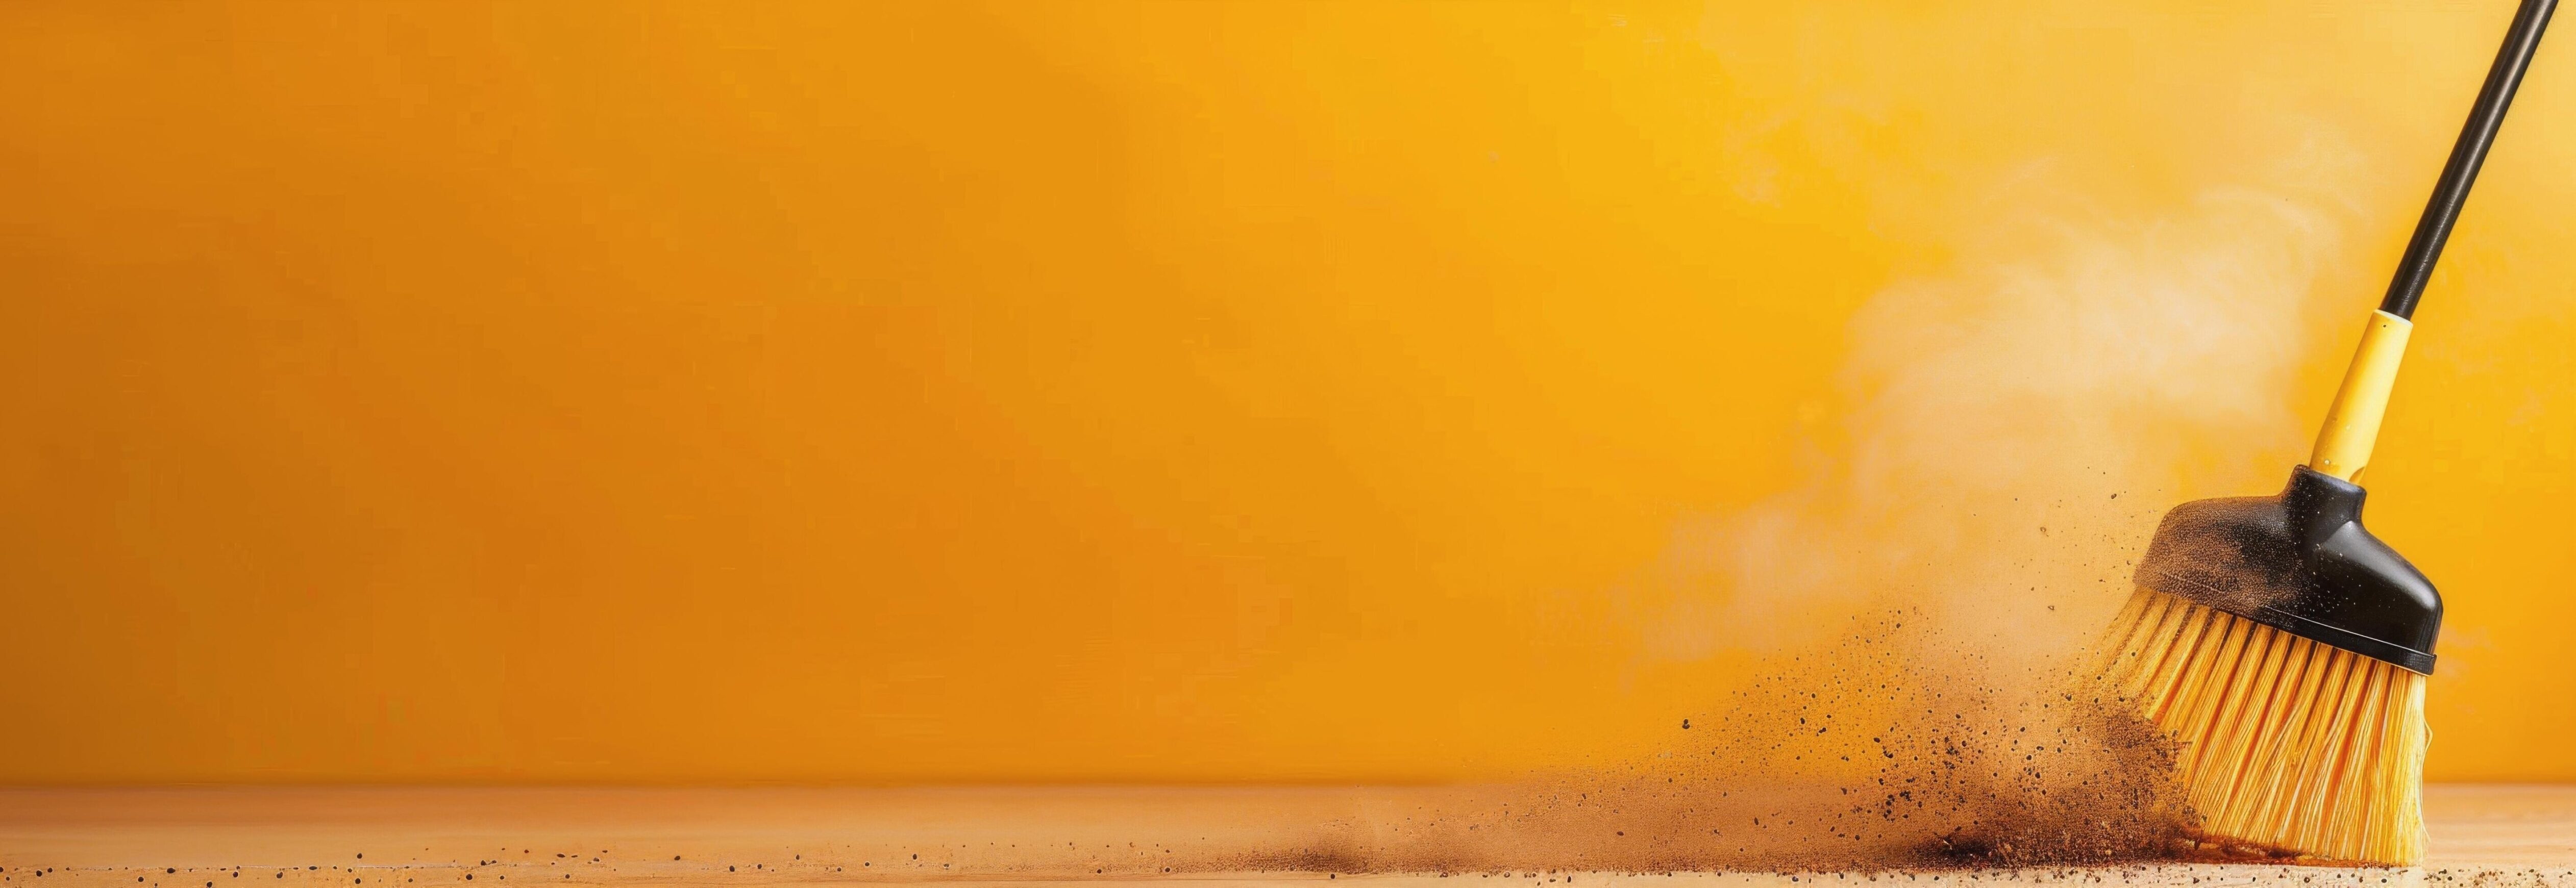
(1887, 749)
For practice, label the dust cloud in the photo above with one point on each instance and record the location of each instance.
(2014, 427)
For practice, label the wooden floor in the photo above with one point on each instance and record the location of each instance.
(2483, 837)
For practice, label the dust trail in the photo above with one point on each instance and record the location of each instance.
(2014, 426)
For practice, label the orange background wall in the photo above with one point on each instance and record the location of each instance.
(916, 391)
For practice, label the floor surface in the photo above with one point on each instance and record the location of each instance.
(2483, 837)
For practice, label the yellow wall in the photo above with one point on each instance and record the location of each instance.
(907, 391)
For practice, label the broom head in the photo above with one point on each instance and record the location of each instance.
(2284, 650)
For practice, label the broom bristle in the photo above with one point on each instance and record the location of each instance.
(2284, 743)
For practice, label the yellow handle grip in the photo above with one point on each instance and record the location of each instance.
(2352, 424)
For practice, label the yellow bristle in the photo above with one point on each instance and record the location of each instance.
(2284, 743)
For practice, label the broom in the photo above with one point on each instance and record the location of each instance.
(2273, 639)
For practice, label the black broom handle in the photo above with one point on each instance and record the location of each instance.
(2466, 156)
